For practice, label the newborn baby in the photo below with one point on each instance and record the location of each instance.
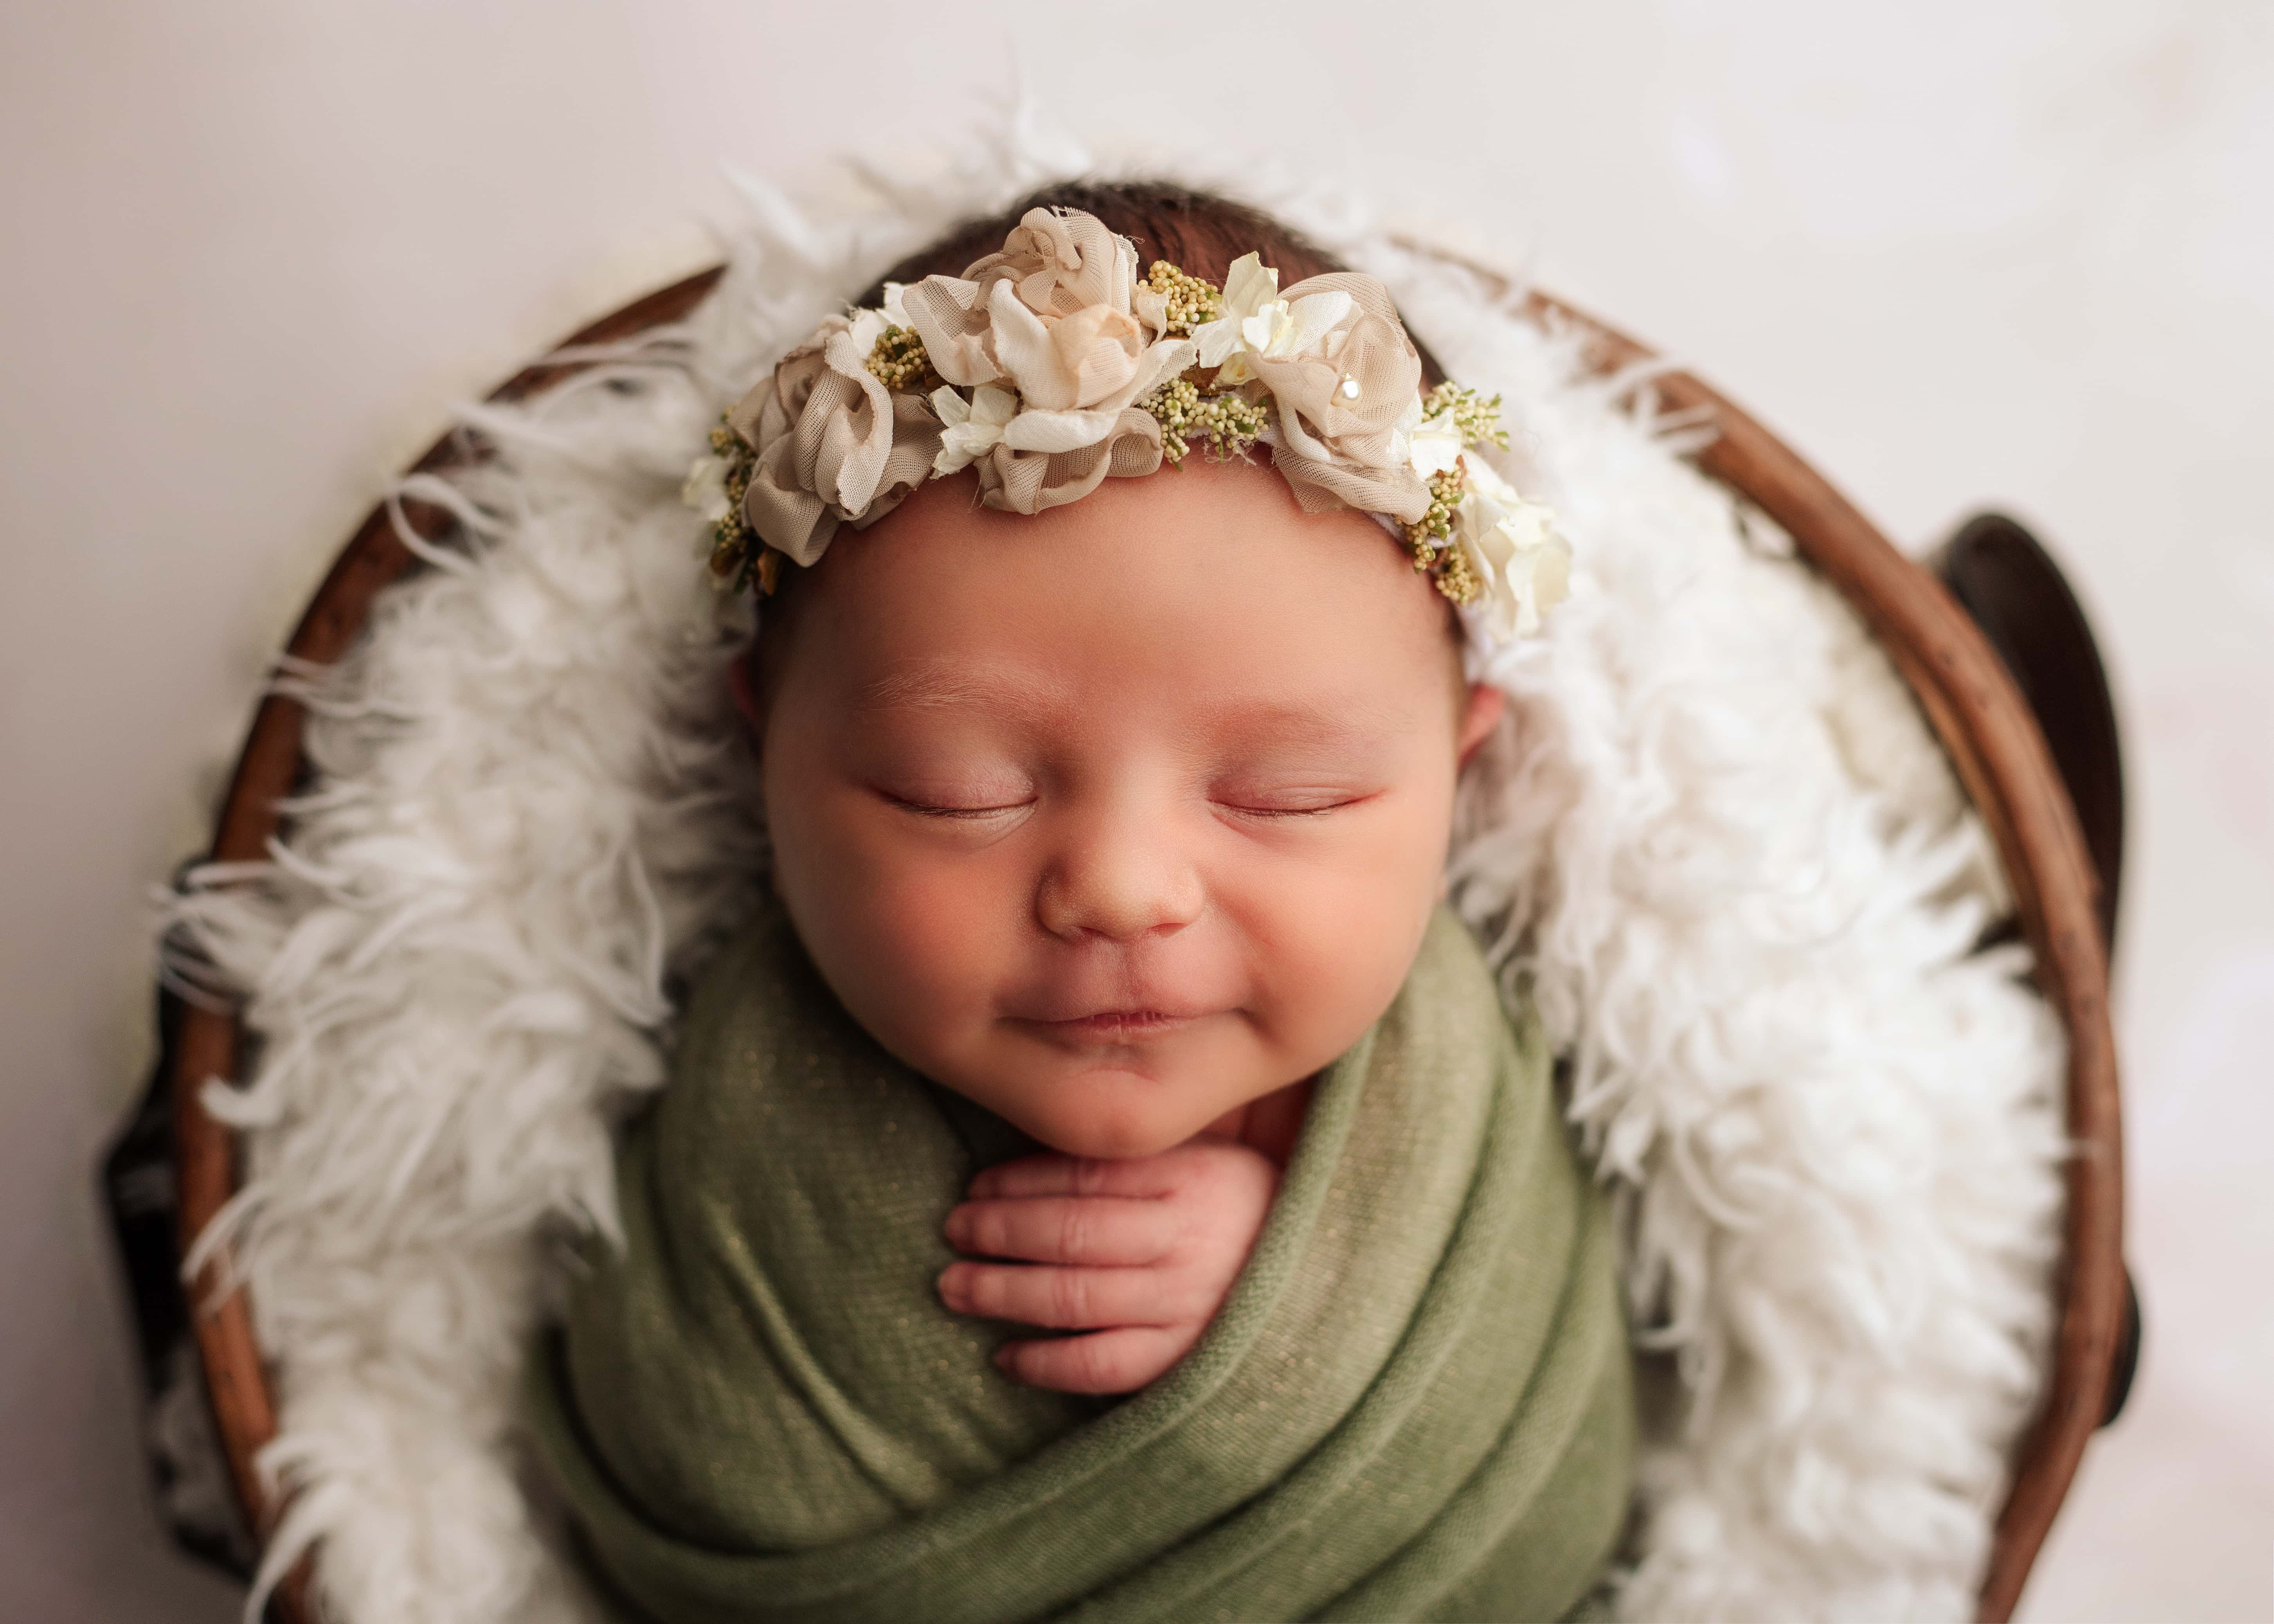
(1120, 821)
(1109, 998)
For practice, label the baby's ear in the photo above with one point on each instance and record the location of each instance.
(743, 685)
(1480, 714)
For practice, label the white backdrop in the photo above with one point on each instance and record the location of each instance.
(2019, 252)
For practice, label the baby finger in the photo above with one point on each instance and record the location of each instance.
(1115, 1361)
(1063, 1299)
(1092, 1229)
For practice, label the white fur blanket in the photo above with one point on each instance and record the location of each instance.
(1714, 839)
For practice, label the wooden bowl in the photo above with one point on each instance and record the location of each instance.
(1972, 703)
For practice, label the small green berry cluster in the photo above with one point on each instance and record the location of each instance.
(898, 361)
(734, 544)
(1192, 300)
(1455, 579)
(1430, 537)
(1230, 423)
(1477, 417)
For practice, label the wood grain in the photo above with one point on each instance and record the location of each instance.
(1964, 691)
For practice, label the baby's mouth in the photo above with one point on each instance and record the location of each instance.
(1109, 1026)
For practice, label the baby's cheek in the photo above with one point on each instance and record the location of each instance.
(919, 945)
(1334, 947)
(940, 927)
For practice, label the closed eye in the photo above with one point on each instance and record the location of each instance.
(1290, 807)
(968, 814)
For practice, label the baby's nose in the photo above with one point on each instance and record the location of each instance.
(1120, 880)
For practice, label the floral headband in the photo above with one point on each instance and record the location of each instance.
(1050, 365)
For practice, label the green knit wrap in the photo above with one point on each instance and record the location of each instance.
(1417, 1402)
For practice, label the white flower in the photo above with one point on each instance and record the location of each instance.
(705, 490)
(1151, 306)
(1036, 429)
(1433, 445)
(1247, 290)
(971, 428)
(868, 325)
(1522, 562)
(1257, 321)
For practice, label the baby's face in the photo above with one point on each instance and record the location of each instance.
(1120, 816)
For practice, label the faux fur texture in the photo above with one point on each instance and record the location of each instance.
(1713, 840)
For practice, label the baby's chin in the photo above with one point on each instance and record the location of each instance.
(1111, 1115)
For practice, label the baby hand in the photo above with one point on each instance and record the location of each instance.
(1139, 1254)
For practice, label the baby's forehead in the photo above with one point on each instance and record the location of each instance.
(1210, 585)
(1248, 700)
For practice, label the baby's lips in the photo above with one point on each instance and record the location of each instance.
(1047, 1011)
(1108, 986)
(1122, 1025)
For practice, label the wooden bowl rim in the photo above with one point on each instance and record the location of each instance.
(1967, 698)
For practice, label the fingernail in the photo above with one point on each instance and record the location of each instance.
(957, 1221)
(950, 1285)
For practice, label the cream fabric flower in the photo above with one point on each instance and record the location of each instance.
(1046, 347)
(1058, 264)
(1522, 562)
(1346, 396)
(833, 444)
(970, 428)
(1076, 374)
(1070, 362)
(1051, 321)
(1030, 481)
(1051, 266)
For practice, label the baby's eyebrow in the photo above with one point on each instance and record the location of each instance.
(1310, 724)
(1307, 724)
(935, 687)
